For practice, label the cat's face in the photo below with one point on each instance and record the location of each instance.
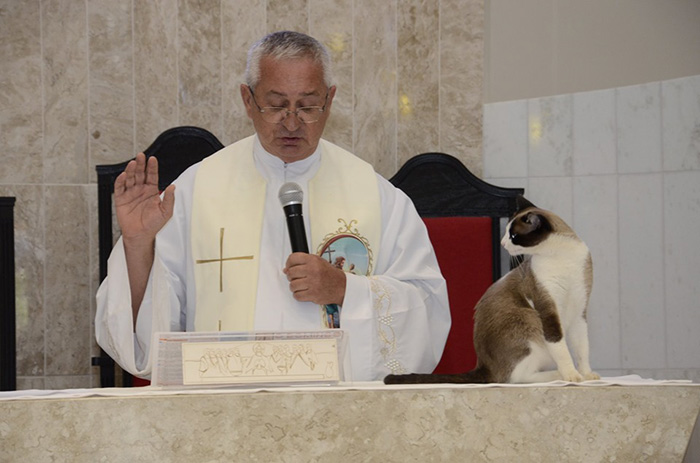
(526, 231)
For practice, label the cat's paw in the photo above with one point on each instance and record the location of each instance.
(591, 376)
(572, 376)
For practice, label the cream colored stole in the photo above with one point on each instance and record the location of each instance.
(227, 216)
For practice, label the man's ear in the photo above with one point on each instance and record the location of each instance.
(247, 99)
(331, 94)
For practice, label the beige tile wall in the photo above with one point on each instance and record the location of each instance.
(91, 82)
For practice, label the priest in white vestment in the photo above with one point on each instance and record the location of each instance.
(213, 253)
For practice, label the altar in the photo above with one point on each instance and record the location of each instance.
(596, 422)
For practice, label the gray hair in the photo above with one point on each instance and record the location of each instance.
(283, 45)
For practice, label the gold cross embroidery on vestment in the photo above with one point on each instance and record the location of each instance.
(221, 260)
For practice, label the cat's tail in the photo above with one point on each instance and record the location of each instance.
(479, 375)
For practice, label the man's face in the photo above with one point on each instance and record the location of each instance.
(292, 84)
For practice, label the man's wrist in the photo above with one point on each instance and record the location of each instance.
(139, 243)
(342, 286)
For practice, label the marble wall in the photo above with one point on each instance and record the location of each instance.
(92, 82)
(622, 167)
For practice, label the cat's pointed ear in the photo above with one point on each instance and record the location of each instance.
(533, 219)
(522, 203)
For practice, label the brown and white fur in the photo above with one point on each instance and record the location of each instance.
(529, 323)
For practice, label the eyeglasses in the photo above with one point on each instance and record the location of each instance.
(277, 114)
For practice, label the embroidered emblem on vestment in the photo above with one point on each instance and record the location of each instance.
(348, 250)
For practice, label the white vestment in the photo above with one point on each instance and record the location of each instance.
(397, 320)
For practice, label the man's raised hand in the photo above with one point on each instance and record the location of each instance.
(140, 211)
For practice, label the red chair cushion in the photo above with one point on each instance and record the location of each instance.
(139, 382)
(463, 249)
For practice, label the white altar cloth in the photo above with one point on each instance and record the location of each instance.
(629, 380)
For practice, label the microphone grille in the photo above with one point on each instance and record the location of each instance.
(290, 193)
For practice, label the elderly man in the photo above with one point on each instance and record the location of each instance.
(212, 253)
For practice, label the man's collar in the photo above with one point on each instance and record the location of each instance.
(262, 155)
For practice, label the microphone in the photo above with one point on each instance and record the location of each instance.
(291, 196)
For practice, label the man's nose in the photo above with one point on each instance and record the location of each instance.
(291, 121)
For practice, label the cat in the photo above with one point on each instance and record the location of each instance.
(526, 321)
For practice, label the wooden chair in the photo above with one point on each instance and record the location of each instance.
(176, 149)
(464, 216)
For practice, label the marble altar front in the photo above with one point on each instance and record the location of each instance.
(539, 423)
